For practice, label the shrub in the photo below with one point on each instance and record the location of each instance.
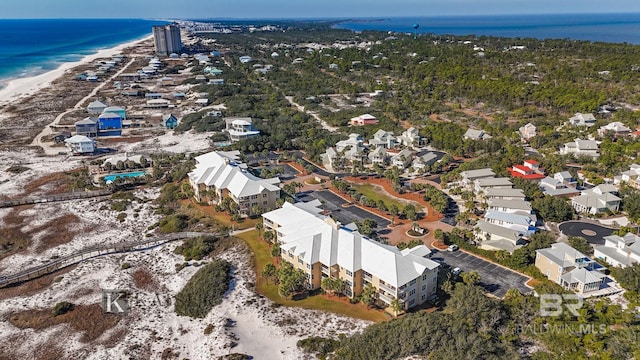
(318, 345)
(62, 308)
(209, 329)
(122, 217)
(125, 266)
(196, 248)
(174, 223)
(204, 291)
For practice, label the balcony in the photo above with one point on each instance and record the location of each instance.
(384, 298)
(387, 288)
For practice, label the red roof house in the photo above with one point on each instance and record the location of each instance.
(530, 170)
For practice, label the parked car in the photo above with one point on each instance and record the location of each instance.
(456, 271)
(453, 247)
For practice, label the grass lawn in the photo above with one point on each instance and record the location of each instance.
(373, 192)
(262, 256)
(222, 217)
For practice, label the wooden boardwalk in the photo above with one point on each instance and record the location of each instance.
(93, 252)
(54, 198)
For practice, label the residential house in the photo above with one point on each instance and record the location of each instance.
(158, 103)
(354, 154)
(469, 176)
(581, 147)
(619, 251)
(631, 177)
(365, 119)
(87, 127)
(509, 206)
(473, 134)
(169, 121)
(96, 107)
(109, 124)
(527, 131)
(580, 119)
(222, 176)
(378, 156)
(410, 137)
(495, 238)
(617, 129)
(116, 110)
(383, 139)
(530, 170)
(402, 159)
(421, 162)
(323, 248)
(554, 187)
(570, 268)
(245, 59)
(504, 193)
(240, 128)
(566, 178)
(597, 200)
(330, 158)
(212, 70)
(481, 185)
(80, 144)
(151, 96)
(522, 221)
(354, 140)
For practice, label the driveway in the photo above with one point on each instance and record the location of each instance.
(593, 233)
(344, 215)
(495, 279)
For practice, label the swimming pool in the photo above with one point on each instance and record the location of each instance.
(111, 177)
(222, 143)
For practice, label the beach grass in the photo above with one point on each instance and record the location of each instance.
(339, 305)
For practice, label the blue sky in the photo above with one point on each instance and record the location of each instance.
(300, 8)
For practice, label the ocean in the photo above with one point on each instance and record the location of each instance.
(32, 46)
(613, 28)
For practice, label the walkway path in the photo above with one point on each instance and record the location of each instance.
(313, 114)
(94, 252)
(47, 131)
(54, 198)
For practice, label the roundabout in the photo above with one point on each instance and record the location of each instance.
(593, 233)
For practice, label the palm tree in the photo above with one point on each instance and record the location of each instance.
(396, 306)
(260, 227)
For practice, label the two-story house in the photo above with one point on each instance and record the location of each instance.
(570, 268)
(619, 251)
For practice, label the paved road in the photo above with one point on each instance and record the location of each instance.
(344, 215)
(495, 279)
(576, 228)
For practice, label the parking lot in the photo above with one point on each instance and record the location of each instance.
(344, 215)
(495, 279)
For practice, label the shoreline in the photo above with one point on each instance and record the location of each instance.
(19, 88)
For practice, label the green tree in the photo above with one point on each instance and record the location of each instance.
(291, 280)
(396, 306)
(579, 243)
(275, 250)
(369, 295)
(471, 277)
(410, 212)
(270, 272)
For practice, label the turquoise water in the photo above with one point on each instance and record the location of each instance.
(29, 47)
(222, 143)
(614, 28)
(112, 177)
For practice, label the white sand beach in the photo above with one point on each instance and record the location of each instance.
(23, 87)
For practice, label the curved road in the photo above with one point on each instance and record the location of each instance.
(594, 233)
